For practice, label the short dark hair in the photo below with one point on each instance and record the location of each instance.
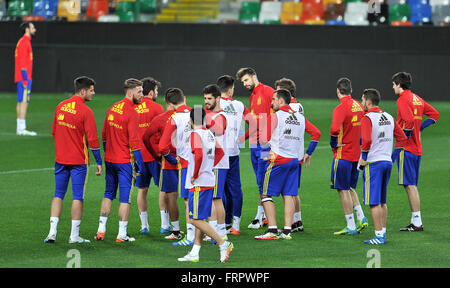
(225, 82)
(174, 96)
(403, 79)
(344, 85)
(195, 113)
(287, 84)
(82, 82)
(24, 25)
(131, 84)
(149, 84)
(373, 95)
(244, 71)
(285, 94)
(212, 89)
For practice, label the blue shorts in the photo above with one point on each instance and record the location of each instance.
(233, 196)
(174, 181)
(168, 181)
(119, 175)
(221, 177)
(153, 169)
(78, 174)
(257, 155)
(200, 204)
(408, 168)
(344, 174)
(23, 94)
(376, 178)
(276, 180)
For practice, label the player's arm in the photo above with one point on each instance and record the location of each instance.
(336, 123)
(217, 125)
(90, 129)
(166, 139)
(197, 150)
(399, 135)
(432, 114)
(147, 137)
(54, 123)
(366, 136)
(218, 153)
(407, 115)
(135, 141)
(104, 132)
(267, 131)
(21, 51)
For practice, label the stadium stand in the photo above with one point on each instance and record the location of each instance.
(310, 12)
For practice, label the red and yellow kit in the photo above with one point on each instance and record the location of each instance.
(74, 120)
(121, 132)
(410, 111)
(147, 110)
(260, 110)
(23, 59)
(346, 126)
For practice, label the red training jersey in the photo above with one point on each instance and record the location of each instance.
(73, 131)
(23, 57)
(410, 111)
(147, 110)
(121, 132)
(156, 129)
(346, 126)
(260, 110)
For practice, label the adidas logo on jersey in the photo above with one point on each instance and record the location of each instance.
(383, 120)
(142, 108)
(416, 101)
(118, 108)
(292, 119)
(356, 106)
(69, 107)
(230, 109)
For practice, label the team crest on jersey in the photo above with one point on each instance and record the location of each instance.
(287, 131)
(60, 117)
(292, 119)
(118, 108)
(356, 107)
(142, 108)
(258, 101)
(69, 107)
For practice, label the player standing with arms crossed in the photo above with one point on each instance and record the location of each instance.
(410, 111)
(378, 130)
(23, 57)
(260, 109)
(345, 143)
(73, 129)
(121, 139)
(204, 154)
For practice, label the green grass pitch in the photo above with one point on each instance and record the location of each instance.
(27, 188)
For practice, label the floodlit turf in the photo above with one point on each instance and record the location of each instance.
(27, 187)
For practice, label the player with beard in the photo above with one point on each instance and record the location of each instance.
(121, 136)
(260, 110)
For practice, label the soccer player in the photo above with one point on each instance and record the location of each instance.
(121, 137)
(23, 57)
(378, 130)
(288, 84)
(235, 112)
(204, 154)
(345, 143)
(286, 139)
(168, 180)
(175, 135)
(410, 111)
(73, 129)
(147, 111)
(260, 109)
(216, 121)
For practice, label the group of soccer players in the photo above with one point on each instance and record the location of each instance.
(193, 153)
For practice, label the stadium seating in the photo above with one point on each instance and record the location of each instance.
(17, 8)
(291, 12)
(126, 10)
(249, 12)
(399, 12)
(96, 8)
(334, 12)
(356, 13)
(3, 11)
(380, 18)
(312, 12)
(45, 8)
(69, 9)
(441, 15)
(189, 11)
(270, 12)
